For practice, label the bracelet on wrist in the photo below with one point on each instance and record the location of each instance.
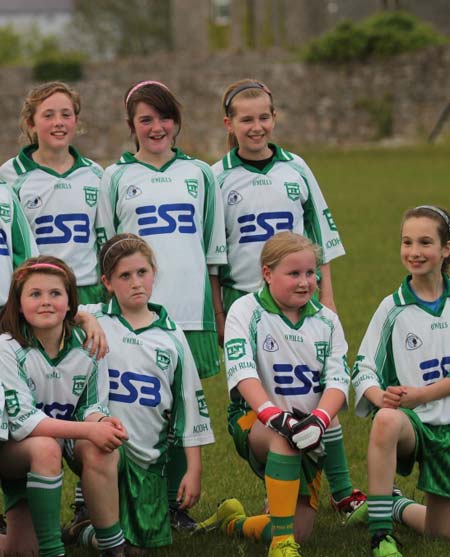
(101, 418)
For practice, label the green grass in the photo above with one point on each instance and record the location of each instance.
(367, 191)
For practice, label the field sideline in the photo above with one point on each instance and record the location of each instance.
(367, 191)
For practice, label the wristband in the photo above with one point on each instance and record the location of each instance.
(266, 411)
(323, 416)
(101, 418)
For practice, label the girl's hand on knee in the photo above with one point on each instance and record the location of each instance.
(106, 436)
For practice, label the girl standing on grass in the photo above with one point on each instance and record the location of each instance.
(401, 372)
(57, 187)
(173, 202)
(266, 189)
(283, 350)
(154, 387)
(54, 390)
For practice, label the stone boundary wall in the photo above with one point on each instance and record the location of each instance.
(355, 104)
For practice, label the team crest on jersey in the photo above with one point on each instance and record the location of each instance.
(192, 187)
(293, 190)
(34, 203)
(78, 383)
(270, 344)
(202, 406)
(133, 191)
(322, 351)
(327, 214)
(162, 359)
(5, 212)
(90, 195)
(235, 348)
(412, 342)
(101, 236)
(12, 402)
(234, 198)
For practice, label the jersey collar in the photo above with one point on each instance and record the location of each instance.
(404, 297)
(129, 158)
(23, 163)
(68, 343)
(265, 299)
(231, 160)
(162, 321)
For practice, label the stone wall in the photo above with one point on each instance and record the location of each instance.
(354, 104)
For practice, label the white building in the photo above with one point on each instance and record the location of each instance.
(48, 16)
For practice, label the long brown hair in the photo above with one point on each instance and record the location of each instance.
(12, 320)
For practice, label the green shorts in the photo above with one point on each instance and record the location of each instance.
(144, 505)
(432, 452)
(204, 346)
(91, 294)
(240, 422)
(13, 492)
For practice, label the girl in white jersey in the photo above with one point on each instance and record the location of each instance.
(154, 388)
(283, 351)
(401, 372)
(173, 202)
(266, 189)
(50, 381)
(57, 187)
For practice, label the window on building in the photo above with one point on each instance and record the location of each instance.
(221, 12)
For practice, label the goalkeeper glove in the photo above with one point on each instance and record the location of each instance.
(308, 431)
(278, 420)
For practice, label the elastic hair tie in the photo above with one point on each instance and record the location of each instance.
(234, 92)
(46, 266)
(143, 84)
(438, 211)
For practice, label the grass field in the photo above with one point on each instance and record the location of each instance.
(367, 191)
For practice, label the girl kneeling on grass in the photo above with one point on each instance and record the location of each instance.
(401, 372)
(283, 350)
(50, 381)
(154, 387)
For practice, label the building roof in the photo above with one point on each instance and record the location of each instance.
(25, 7)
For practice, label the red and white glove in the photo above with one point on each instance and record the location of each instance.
(307, 433)
(279, 420)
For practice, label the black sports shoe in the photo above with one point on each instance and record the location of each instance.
(119, 551)
(180, 519)
(80, 520)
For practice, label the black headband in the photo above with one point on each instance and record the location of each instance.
(234, 92)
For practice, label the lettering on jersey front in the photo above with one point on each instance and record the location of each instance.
(90, 195)
(5, 212)
(270, 344)
(235, 348)
(133, 191)
(439, 325)
(4, 250)
(12, 402)
(161, 180)
(62, 186)
(295, 380)
(130, 386)
(63, 228)
(261, 227)
(234, 197)
(192, 187)
(329, 218)
(54, 374)
(412, 342)
(201, 402)
(322, 351)
(78, 383)
(292, 190)
(131, 339)
(262, 182)
(163, 359)
(34, 203)
(166, 218)
(293, 338)
(435, 369)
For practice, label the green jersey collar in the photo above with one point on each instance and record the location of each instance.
(231, 159)
(68, 343)
(24, 162)
(129, 158)
(404, 296)
(265, 299)
(162, 320)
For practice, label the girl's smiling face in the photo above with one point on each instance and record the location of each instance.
(155, 133)
(54, 122)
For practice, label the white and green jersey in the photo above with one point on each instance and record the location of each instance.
(294, 362)
(16, 239)
(178, 210)
(260, 203)
(61, 208)
(3, 417)
(407, 344)
(153, 379)
(68, 387)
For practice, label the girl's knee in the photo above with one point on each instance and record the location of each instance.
(45, 455)
(90, 456)
(386, 424)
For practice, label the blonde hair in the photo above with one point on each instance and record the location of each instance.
(244, 89)
(35, 97)
(283, 244)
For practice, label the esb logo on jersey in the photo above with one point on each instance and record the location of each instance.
(63, 228)
(261, 227)
(130, 386)
(166, 219)
(295, 380)
(4, 250)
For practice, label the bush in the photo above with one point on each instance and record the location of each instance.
(381, 35)
(58, 67)
(10, 46)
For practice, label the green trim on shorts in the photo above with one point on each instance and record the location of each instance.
(91, 294)
(432, 452)
(143, 503)
(204, 346)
